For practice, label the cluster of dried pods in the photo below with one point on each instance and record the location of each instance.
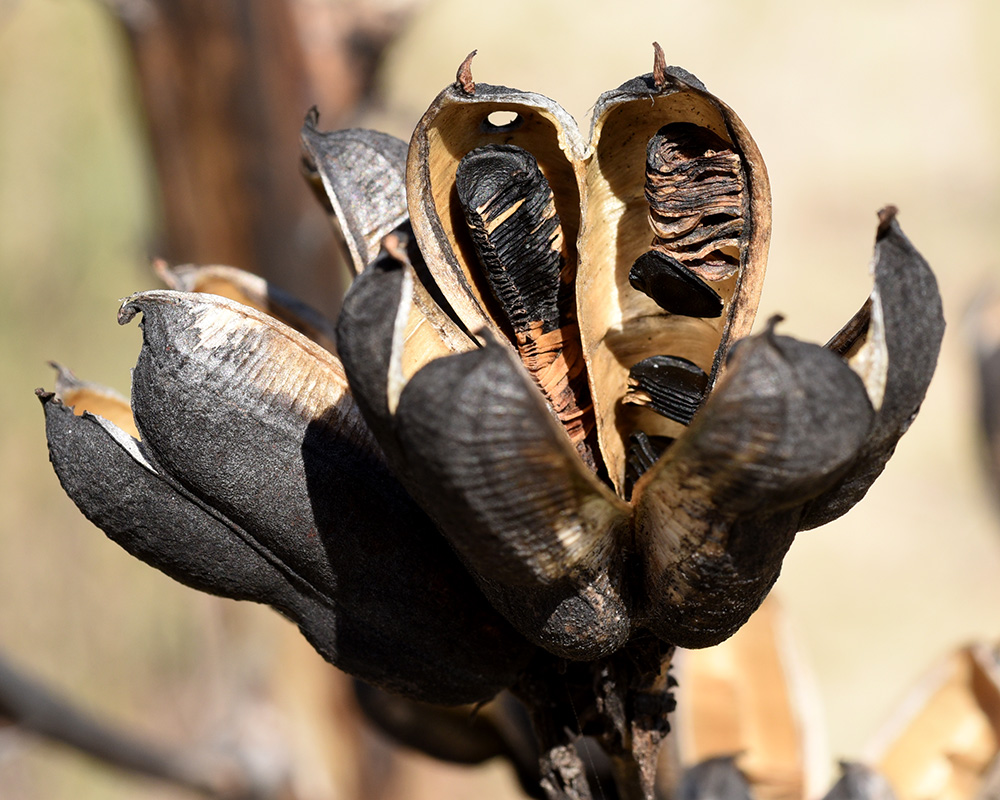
(535, 455)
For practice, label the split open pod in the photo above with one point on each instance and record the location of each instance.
(543, 424)
(595, 449)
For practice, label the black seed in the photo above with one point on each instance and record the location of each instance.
(675, 386)
(690, 170)
(716, 231)
(643, 452)
(509, 207)
(673, 287)
(696, 192)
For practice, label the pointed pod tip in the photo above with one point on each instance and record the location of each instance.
(659, 66)
(134, 304)
(310, 134)
(464, 75)
(885, 217)
(61, 370)
(128, 310)
(46, 397)
(771, 326)
(309, 138)
(66, 380)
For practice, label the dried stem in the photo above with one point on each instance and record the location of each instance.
(621, 703)
(38, 709)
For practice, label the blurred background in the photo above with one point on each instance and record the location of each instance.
(853, 105)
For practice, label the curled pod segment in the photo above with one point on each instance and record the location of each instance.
(358, 176)
(708, 514)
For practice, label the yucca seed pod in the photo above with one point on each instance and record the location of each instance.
(591, 224)
(635, 260)
(358, 176)
(226, 398)
(600, 193)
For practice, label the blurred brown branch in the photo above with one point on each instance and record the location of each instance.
(38, 709)
(224, 87)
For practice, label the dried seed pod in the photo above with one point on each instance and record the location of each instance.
(358, 176)
(714, 505)
(814, 429)
(635, 327)
(250, 290)
(893, 344)
(604, 185)
(707, 515)
(634, 261)
(219, 390)
(542, 551)
(665, 218)
(945, 736)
